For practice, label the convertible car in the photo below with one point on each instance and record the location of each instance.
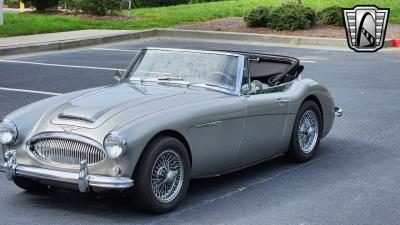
(173, 115)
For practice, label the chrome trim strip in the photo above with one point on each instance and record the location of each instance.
(66, 136)
(210, 124)
(240, 74)
(103, 182)
(192, 50)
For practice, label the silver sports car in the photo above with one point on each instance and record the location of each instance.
(173, 115)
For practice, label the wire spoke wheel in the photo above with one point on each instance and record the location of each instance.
(308, 131)
(167, 176)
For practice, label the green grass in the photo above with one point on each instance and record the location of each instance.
(23, 24)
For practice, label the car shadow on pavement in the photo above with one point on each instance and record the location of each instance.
(116, 205)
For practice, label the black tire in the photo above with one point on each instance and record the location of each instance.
(295, 152)
(30, 185)
(143, 192)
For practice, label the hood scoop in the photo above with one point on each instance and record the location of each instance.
(64, 116)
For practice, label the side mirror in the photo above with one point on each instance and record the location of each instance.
(119, 75)
(256, 86)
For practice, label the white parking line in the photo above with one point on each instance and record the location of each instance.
(59, 65)
(30, 91)
(114, 49)
(306, 61)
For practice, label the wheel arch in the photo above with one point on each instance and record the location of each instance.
(169, 133)
(315, 99)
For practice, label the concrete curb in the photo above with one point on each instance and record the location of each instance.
(174, 33)
(267, 38)
(81, 42)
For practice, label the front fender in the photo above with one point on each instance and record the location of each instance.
(213, 148)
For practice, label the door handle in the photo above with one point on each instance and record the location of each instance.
(282, 101)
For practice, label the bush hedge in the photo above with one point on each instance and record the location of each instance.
(292, 17)
(42, 4)
(257, 17)
(201, 1)
(332, 15)
(311, 15)
(99, 7)
(155, 3)
(12, 3)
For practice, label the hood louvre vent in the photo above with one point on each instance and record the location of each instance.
(74, 117)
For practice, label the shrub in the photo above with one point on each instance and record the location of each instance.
(42, 4)
(311, 15)
(72, 5)
(99, 7)
(332, 15)
(292, 17)
(201, 1)
(12, 3)
(257, 17)
(155, 3)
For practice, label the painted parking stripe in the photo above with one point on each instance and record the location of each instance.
(59, 65)
(30, 91)
(114, 49)
(306, 61)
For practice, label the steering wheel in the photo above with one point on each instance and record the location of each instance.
(226, 76)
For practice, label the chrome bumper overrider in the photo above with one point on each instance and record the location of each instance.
(338, 112)
(83, 180)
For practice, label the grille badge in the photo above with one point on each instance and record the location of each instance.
(69, 128)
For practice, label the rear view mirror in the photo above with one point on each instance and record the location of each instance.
(119, 75)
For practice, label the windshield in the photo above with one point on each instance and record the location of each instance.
(195, 67)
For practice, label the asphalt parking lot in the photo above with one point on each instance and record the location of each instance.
(354, 179)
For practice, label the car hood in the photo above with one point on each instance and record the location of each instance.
(125, 101)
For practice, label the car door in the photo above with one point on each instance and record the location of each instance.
(216, 135)
(265, 122)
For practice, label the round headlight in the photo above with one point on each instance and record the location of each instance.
(8, 132)
(115, 145)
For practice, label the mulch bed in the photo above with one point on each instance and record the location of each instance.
(236, 24)
(115, 17)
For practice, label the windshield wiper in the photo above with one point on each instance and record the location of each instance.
(212, 85)
(170, 78)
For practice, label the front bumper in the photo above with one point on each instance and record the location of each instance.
(82, 180)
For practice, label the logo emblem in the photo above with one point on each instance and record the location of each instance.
(366, 27)
(69, 128)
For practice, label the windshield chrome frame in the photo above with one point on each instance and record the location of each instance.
(239, 76)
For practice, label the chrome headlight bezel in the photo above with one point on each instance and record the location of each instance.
(115, 145)
(7, 125)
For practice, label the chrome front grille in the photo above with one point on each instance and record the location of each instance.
(66, 152)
